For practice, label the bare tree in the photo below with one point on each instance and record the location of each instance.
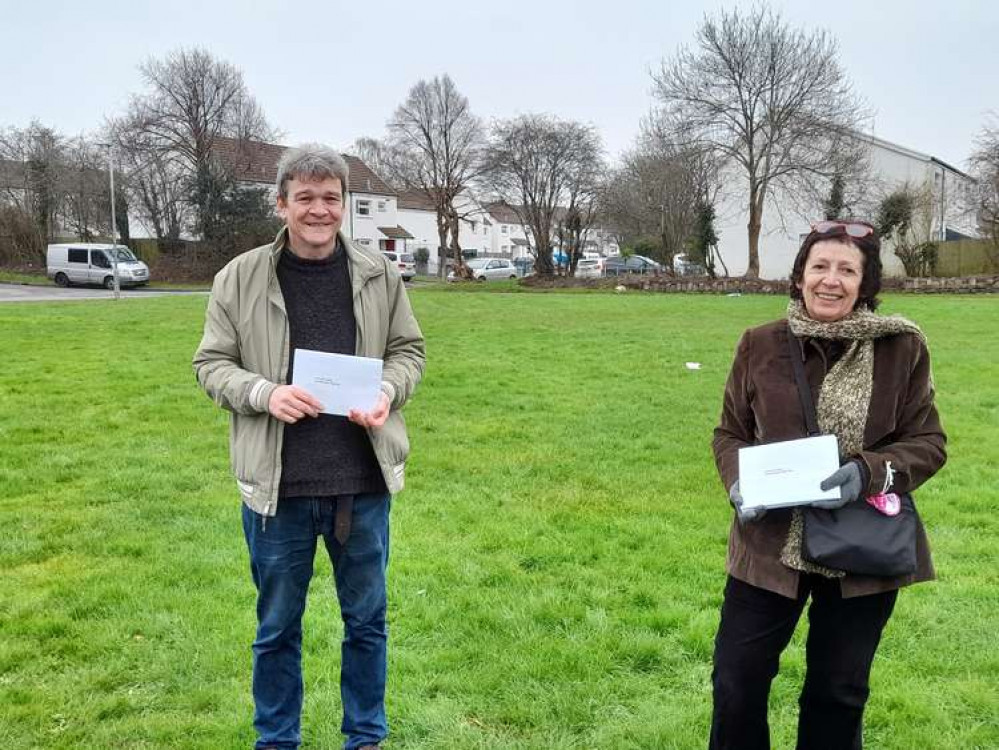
(376, 155)
(985, 166)
(771, 99)
(192, 99)
(541, 165)
(659, 191)
(34, 158)
(156, 182)
(583, 185)
(434, 146)
(86, 207)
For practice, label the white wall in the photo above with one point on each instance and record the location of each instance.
(363, 227)
(783, 228)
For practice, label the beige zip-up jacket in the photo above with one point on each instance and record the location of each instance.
(244, 355)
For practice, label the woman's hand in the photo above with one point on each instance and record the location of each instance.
(849, 478)
(745, 515)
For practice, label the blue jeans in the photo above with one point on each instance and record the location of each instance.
(281, 557)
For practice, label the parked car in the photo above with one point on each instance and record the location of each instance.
(93, 263)
(485, 269)
(405, 262)
(588, 268)
(524, 265)
(618, 265)
(684, 266)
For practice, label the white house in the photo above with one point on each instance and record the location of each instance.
(381, 217)
(950, 212)
(373, 215)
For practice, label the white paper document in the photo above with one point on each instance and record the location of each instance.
(788, 473)
(340, 382)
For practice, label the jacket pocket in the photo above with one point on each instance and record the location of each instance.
(246, 490)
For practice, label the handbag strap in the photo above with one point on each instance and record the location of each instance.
(804, 391)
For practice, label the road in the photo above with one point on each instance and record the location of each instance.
(30, 293)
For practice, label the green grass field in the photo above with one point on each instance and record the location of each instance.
(557, 558)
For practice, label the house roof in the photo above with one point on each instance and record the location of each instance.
(911, 153)
(415, 200)
(255, 161)
(503, 212)
(395, 233)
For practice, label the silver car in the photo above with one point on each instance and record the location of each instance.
(588, 268)
(487, 269)
(404, 261)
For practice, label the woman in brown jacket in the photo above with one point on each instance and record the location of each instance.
(871, 374)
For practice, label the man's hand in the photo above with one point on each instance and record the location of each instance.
(745, 514)
(289, 403)
(374, 418)
(850, 481)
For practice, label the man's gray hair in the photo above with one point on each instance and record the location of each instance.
(310, 161)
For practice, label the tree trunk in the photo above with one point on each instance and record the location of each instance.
(459, 262)
(441, 246)
(755, 223)
(543, 265)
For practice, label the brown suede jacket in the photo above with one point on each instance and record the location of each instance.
(762, 406)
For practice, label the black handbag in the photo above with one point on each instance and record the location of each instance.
(857, 538)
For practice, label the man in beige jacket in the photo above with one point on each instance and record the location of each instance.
(301, 473)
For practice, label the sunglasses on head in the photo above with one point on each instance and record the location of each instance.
(856, 229)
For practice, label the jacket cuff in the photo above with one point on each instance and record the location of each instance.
(389, 390)
(260, 394)
(872, 471)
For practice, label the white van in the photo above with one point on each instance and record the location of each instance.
(91, 263)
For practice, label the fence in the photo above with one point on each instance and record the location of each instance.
(967, 258)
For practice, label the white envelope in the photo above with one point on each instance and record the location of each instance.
(778, 475)
(340, 382)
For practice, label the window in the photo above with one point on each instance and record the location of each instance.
(503, 228)
(364, 242)
(505, 248)
(99, 259)
(474, 225)
(381, 207)
(77, 256)
(363, 208)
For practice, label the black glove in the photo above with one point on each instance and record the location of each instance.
(850, 480)
(746, 515)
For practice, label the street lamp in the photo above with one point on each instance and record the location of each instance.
(114, 225)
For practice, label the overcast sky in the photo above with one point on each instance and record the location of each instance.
(334, 71)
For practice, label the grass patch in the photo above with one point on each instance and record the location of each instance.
(558, 554)
(17, 277)
(40, 279)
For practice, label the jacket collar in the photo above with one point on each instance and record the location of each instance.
(362, 266)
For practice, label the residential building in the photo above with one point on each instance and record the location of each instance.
(381, 217)
(947, 213)
(372, 218)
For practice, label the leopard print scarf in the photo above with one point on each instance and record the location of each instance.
(845, 395)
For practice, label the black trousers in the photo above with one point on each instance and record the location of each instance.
(757, 624)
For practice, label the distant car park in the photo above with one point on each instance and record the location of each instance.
(619, 265)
